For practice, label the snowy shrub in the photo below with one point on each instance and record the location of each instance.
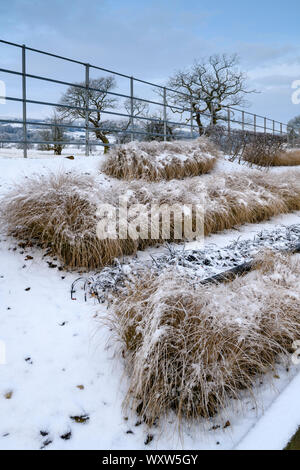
(154, 161)
(188, 350)
(228, 199)
(59, 211)
(287, 158)
(230, 143)
(263, 150)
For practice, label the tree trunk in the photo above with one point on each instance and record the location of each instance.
(103, 138)
(199, 123)
(57, 149)
(214, 118)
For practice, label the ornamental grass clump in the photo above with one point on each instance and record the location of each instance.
(189, 351)
(155, 161)
(59, 211)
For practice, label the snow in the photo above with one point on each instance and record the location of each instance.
(11, 152)
(278, 422)
(197, 263)
(60, 363)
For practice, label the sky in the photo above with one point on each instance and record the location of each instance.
(152, 39)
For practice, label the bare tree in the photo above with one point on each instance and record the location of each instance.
(45, 136)
(54, 134)
(136, 108)
(157, 129)
(139, 107)
(293, 129)
(295, 124)
(96, 98)
(207, 87)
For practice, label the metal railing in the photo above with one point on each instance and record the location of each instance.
(233, 118)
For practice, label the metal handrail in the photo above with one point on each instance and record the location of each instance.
(131, 129)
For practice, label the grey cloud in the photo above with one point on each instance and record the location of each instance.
(148, 40)
(258, 53)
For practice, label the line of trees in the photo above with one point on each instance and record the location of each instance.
(205, 88)
(294, 130)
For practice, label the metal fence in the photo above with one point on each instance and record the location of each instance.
(233, 119)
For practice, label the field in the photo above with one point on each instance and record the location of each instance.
(65, 376)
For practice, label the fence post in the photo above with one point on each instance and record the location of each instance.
(228, 119)
(212, 114)
(24, 100)
(265, 125)
(281, 128)
(294, 135)
(254, 124)
(87, 104)
(131, 108)
(192, 120)
(165, 114)
(273, 127)
(243, 120)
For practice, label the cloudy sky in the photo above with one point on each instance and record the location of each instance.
(151, 39)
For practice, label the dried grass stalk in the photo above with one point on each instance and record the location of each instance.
(59, 210)
(228, 199)
(192, 348)
(154, 161)
(274, 157)
(288, 158)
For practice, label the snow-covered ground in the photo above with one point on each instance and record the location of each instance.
(70, 150)
(62, 386)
